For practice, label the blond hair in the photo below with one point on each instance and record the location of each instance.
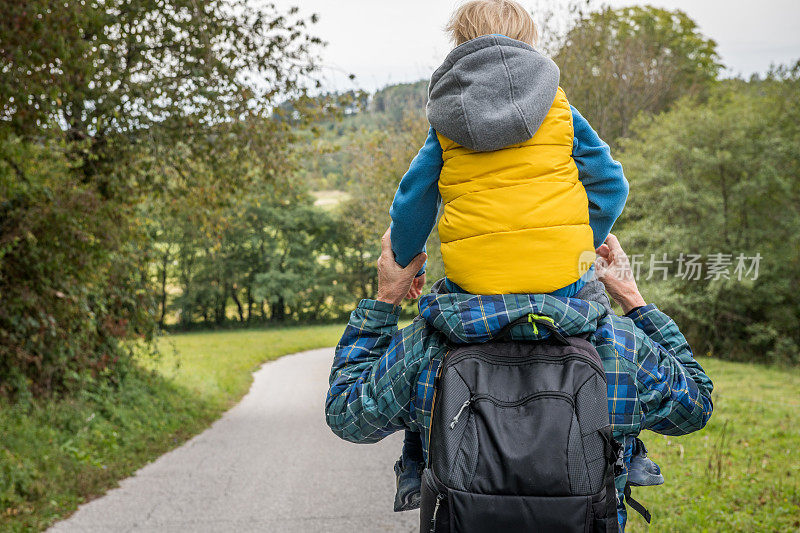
(487, 17)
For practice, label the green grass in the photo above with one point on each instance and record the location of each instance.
(218, 365)
(742, 472)
(55, 455)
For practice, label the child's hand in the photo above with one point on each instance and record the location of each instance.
(416, 288)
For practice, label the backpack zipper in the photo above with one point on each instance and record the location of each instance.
(439, 499)
(525, 360)
(523, 401)
(458, 414)
(502, 403)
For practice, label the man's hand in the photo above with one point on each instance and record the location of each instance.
(394, 281)
(614, 271)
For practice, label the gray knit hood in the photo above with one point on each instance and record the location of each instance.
(491, 92)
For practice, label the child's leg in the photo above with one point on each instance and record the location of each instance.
(642, 472)
(588, 288)
(409, 473)
(594, 291)
(412, 446)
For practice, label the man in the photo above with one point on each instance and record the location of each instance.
(382, 378)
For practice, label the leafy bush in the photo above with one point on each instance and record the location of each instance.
(724, 177)
(72, 286)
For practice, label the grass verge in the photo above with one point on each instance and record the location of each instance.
(742, 472)
(55, 455)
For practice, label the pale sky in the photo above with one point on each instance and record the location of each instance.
(391, 41)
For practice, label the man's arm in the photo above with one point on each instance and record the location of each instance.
(369, 395)
(674, 390)
(601, 176)
(416, 202)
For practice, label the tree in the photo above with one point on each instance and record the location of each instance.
(119, 75)
(117, 118)
(722, 177)
(618, 63)
(397, 101)
(273, 254)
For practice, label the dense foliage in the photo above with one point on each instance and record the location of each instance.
(72, 284)
(271, 256)
(723, 177)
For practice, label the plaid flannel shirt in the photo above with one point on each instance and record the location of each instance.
(382, 378)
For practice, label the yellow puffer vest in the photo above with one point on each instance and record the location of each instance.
(516, 220)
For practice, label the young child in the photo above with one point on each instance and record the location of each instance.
(529, 189)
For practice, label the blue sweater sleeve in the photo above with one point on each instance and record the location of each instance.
(601, 176)
(416, 202)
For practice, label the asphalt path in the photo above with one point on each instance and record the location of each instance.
(269, 464)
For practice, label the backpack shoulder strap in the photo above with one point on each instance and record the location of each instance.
(635, 505)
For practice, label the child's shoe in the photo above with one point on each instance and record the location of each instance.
(409, 484)
(643, 472)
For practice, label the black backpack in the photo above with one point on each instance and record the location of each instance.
(520, 439)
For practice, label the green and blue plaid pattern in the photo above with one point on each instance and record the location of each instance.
(382, 379)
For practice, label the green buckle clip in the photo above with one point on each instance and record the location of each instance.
(532, 318)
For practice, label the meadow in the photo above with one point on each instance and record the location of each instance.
(742, 472)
